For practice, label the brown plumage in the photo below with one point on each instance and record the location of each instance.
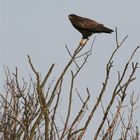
(87, 26)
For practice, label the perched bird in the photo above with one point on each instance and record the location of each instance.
(87, 26)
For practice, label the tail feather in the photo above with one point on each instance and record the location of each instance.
(106, 30)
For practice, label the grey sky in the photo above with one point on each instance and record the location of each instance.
(41, 29)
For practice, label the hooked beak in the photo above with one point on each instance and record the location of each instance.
(69, 17)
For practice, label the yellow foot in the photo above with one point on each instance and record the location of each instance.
(83, 42)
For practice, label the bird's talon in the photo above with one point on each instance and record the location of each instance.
(83, 42)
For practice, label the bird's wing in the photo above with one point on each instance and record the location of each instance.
(89, 25)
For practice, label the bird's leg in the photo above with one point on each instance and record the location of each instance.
(83, 42)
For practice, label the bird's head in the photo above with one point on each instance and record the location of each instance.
(71, 16)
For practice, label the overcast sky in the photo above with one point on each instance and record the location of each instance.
(41, 29)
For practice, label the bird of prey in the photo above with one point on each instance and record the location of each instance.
(87, 26)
